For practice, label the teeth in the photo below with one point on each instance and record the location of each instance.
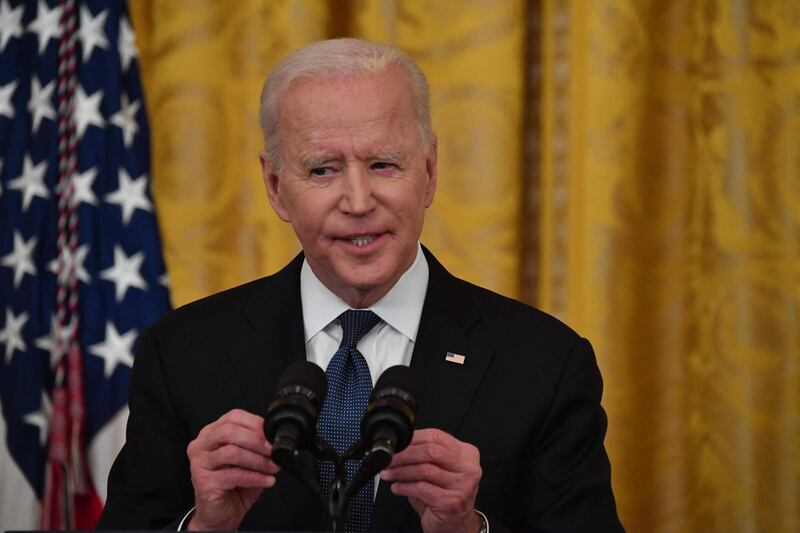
(362, 241)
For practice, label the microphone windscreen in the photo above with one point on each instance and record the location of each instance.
(303, 374)
(397, 378)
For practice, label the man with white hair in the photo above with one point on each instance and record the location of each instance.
(510, 427)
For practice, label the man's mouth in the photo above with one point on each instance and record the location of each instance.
(362, 240)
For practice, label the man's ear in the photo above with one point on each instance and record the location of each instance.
(272, 184)
(431, 171)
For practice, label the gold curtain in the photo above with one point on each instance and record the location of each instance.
(669, 234)
(632, 166)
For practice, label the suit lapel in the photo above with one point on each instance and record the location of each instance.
(273, 340)
(446, 389)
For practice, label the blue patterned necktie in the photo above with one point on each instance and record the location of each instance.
(339, 422)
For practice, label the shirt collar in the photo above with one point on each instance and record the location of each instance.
(401, 307)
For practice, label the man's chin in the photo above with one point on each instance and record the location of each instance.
(363, 288)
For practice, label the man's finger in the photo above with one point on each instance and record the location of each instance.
(244, 418)
(232, 478)
(241, 418)
(421, 490)
(230, 433)
(423, 472)
(224, 432)
(445, 502)
(237, 417)
(425, 453)
(232, 455)
(433, 436)
(461, 458)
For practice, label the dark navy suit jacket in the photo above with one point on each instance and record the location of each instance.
(528, 396)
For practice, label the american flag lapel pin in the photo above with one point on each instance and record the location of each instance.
(456, 358)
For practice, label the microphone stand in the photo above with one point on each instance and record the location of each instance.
(339, 492)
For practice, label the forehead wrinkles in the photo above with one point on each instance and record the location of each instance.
(380, 137)
(361, 116)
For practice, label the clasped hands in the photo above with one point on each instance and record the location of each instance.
(231, 465)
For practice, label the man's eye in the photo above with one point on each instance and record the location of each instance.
(321, 171)
(381, 165)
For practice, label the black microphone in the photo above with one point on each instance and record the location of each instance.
(388, 423)
(291, 422)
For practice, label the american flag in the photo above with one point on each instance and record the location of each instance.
(81, 270)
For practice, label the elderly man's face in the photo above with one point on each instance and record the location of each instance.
(355, 180)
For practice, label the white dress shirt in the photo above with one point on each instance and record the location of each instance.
(389, 343)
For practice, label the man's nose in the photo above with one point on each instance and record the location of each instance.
(357, 197)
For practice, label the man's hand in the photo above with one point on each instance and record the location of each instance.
(230, 464)
(439, 475)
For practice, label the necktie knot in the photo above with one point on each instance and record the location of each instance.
(355, 324)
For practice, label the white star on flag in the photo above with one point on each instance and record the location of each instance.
(130, 195)
(6, 92)
(91, 31)
(40, 417)
(82, 187)
(20, 258)
(10, 23)
(71, 262)
(40, 104)
(114, 349)
(125, 119)
(11, 334)
(48, 342)
(127, 43)
(125, 272)
(87, 110)
(31, 181)
(46, 24)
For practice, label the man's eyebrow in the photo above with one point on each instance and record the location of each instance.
(318, 160)
(395, 157)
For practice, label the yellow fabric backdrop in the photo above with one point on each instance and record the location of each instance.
(670, 236)
(631, 166)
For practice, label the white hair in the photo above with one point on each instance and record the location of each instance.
(336, 59)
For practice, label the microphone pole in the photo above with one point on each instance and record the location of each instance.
(335, 503)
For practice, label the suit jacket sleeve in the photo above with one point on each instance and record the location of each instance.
(149, 485)
(566, 484)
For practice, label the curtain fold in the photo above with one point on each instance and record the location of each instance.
(670, 143)
(632, 166)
